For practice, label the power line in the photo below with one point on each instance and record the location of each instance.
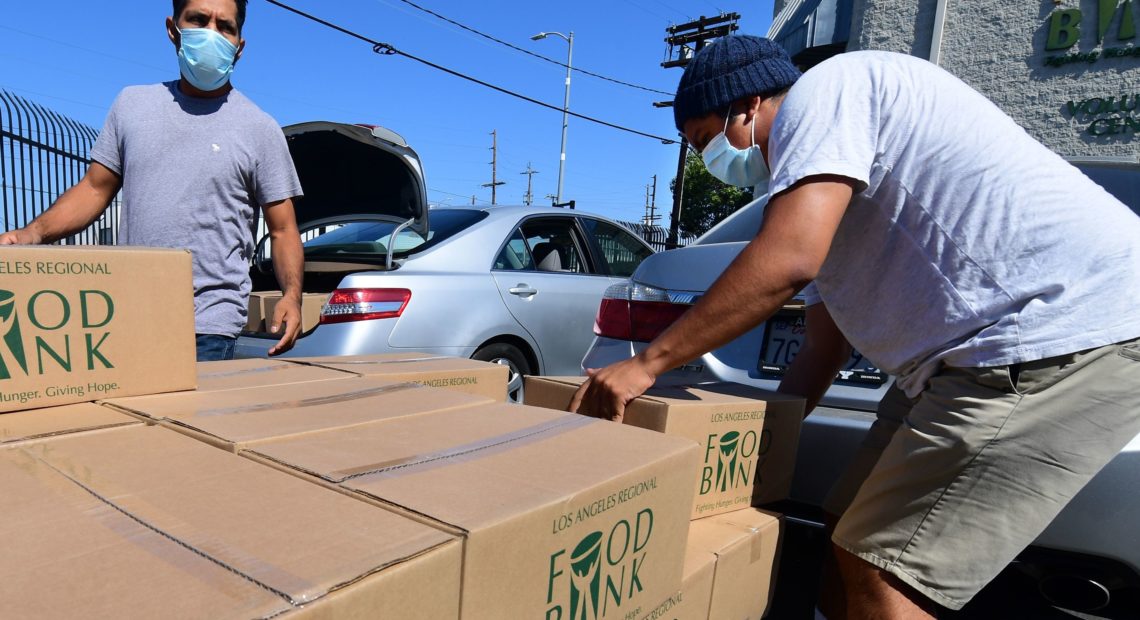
(389, 50)
(528, 52)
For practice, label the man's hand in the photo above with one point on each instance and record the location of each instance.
(606, 393)
(287, 314)
(21, 236)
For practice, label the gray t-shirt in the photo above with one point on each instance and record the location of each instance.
(967, 243)
(195, 172)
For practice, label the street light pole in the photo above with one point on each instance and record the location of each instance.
(565, 105)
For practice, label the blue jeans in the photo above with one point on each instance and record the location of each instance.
(212, 347)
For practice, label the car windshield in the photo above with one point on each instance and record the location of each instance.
(363, 239)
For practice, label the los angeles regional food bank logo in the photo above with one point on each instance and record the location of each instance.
(68, 332)
(604, 570)
(735, 455)
(13, 339)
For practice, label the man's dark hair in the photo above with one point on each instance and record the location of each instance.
(180, 5)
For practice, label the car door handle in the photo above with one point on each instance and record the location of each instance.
(522, 290)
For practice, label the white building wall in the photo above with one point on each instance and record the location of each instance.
(998, 47)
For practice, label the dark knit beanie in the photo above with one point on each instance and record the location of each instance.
(728, 69)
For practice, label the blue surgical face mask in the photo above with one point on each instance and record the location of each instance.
(205, 58)
(739, 167)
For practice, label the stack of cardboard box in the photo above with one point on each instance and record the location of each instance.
(748, 441)
(395, 486)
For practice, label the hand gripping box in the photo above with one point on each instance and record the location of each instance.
(746, 544)
(256, 310)
(456, 373)
(234, 419)
(563, 517)
(17, 427)
(748, 437)
(141, 522)
(263, 304)
(81, 323)
(247, 373)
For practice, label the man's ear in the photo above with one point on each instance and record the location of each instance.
(240, 48)
(750, 107)
(172, 32)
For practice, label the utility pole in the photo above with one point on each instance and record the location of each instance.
(528, 198)
(651, 216)
(495, 182)
(686, 40)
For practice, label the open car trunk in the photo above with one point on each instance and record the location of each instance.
(349, 173)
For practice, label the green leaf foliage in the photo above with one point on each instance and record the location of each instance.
(706, 201)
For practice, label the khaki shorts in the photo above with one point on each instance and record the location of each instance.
(948, 488)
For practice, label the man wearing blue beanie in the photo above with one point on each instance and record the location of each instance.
(942, 242)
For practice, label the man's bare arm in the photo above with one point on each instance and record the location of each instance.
(289, 268)
(80, 205)
(799, 225)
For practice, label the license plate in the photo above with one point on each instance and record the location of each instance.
(783, 339)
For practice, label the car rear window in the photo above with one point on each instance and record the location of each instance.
(363, 239)
(1120, 181)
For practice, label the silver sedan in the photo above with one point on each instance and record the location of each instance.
(519, 286)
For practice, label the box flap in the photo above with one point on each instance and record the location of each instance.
(208, 533)
(395, 462)
(17, 426)
(431, 370)
(255, 414)
(247, 373)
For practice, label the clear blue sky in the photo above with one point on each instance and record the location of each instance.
(74, 56)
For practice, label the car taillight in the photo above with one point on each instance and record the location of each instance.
(631, 311)
(364, 304)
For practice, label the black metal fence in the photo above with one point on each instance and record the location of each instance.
(656, 236)
(42, 154)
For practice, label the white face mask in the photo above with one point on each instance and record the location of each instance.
(739, 167)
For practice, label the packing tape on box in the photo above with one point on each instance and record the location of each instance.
(408, 360)
(467, 452)
(759, 543)
(247, 371)
(124, 516)
(331, 399)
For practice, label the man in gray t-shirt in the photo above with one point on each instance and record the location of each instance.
(195, 160)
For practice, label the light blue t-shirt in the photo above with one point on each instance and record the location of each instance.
(967, 243)
(195, 172)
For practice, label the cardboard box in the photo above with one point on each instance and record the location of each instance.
(254, 314)
(141, 522)
(467, 375)
(256, 309)
(311, 305)
(246, 373)
(563, 516)
(17, 427)
(748, 437)
(234, 419)
(79, 323)
(747, 547)
(692, 600)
